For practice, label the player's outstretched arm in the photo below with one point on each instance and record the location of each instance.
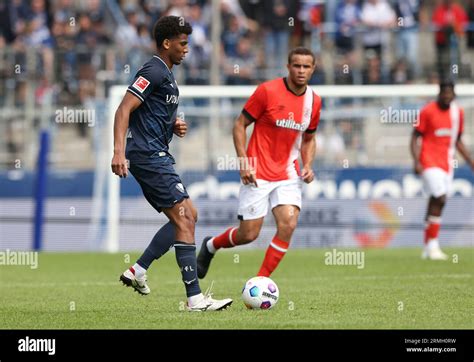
(462, 149)
(247, 173)
(415, 152)
(308, 152)
(122, 116)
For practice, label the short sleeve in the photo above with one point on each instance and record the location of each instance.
(313, 125)
(145, 82)
(256, 104)
(461, 121)
(420, 125)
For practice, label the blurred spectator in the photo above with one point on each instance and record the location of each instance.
(450, 20)
(197, 61)
(311, 15)
(64, 11)
(177, 8)
(319, 76)
(277, 32)
(9, 20)
(343, 72)
(231, 35)
(372, 73)
(347, 18)
(95, 10)
(249, 13)
(401, 72)
(35, 38)
(470, 33)
(145, 42)
(407, 38)
(128, 58)
(65, 57)
(378, 17)
(86, 40)
(153, 11)
(240, 69)
(470, 36)
(14, 137)
(40, 13)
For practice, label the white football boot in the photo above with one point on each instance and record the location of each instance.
(138, 284)
(207, 303)
(432, 251)
(218, 304)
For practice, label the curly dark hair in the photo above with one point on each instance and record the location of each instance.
(169, 27)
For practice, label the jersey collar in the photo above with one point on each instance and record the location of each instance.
(166, 65)
(287, 87)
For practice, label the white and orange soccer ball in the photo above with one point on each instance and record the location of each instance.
(260, 293)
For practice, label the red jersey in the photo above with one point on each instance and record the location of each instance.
(280, 118)
(440, 130)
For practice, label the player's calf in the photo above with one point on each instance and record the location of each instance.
(246, 233)
(243, 237)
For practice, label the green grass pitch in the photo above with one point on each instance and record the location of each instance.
(394, 290)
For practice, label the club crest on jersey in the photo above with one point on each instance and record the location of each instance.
(307, 113)
(141, 84)
(291, 124)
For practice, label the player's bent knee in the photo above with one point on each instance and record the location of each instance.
(248, 237)
(287, 227)
(193, 210)
(185, 224)
(190, 223)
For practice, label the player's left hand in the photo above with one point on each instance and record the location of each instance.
(180, 127)
(307, 175)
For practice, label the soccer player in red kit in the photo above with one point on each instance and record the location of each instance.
(285, 113)
(440, 128)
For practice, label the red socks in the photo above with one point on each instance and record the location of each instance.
(226, 239)
(273, 256)
(433, 224)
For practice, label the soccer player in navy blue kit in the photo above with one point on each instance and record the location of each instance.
(148, 110)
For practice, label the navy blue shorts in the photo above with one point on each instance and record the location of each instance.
(161, 185)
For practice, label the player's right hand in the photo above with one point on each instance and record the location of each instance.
(119, 165)
(248, 176)
(180, 127)
(418, 168)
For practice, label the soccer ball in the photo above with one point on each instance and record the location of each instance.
(260, 293)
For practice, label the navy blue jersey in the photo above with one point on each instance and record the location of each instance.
(151, 124)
